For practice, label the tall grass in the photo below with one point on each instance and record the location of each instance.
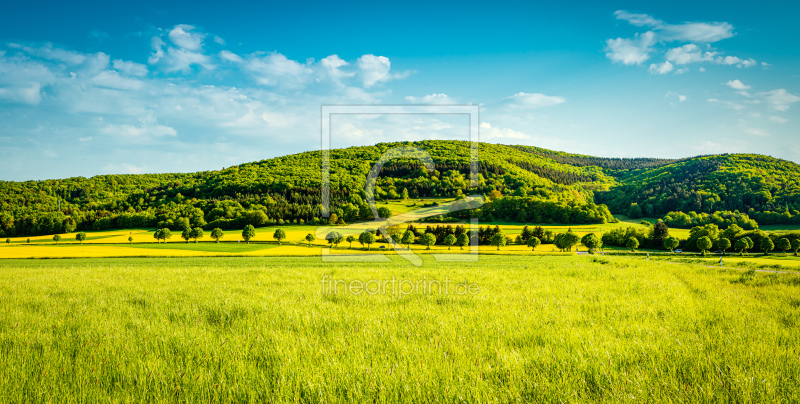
(541, 329)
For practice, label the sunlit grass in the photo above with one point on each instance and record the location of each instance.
(540, 329)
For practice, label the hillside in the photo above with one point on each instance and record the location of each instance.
(550, 186)
(767, 188)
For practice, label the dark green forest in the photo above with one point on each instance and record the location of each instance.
(522, 184)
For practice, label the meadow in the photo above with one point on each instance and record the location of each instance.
(537, 329)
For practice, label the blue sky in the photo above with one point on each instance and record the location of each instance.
(98, 88)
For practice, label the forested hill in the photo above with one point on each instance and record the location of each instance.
(287, 189)
(765, 187)
(550, 186)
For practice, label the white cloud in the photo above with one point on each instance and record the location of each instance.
(332, 65)
(756, 132)
(681, 97)
(780, 99)
(705, 32)
(182, 36)
(175, 114)
(533, 100)
(112, 79)
(638, 49)
(374, 69)
(689, 53)
(148, 127)
(488, 132)
(182, 60)
(778, 119)
(737, 85)
(735, 61)
(681, 71)
(431, 99)
(230, 57)
(639, 20)
(130, 68)
(662, 68)
(276, 69)
(630, 51)
(187, 52)
(56, 54)
(158, 50)
(698, 32)
(30, 94)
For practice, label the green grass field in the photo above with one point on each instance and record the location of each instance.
(538, 329)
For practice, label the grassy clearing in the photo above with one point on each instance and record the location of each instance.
(580, 329)
(233, 248)
(756, 261)
(780, 228)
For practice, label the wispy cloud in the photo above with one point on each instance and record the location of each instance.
(533, 100)
(431, 99)
(780, 99)
(737, 85)
(640, 48)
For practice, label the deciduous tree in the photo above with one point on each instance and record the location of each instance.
(462, 240)
(784, 244)
(408, 238)
(367, 238)
(632, 244)
(671, 243)
(334, 238)
(704, 244)
(217, 234)
(534, 242)
(197, 233)
(449, 240)
(187, 234)
(427, 240)
(767, 245)
(248, 233)
(498, 240)
(592, 242)
(279, 235)
(724, 244)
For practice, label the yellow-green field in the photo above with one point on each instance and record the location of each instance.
(114, 243)
(521, 329)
